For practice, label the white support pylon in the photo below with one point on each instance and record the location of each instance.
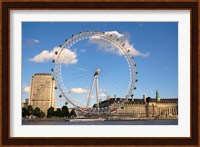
(97, 87)
(95, 79)
(90, 94)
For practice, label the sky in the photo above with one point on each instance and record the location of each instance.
(154, 46)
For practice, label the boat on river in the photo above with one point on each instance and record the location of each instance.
(86, 119)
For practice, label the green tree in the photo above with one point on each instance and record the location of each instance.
(65, 111)
(42, 114)
(50, 112)
(37, 112)
(30, 110)
(73, 113)
(24, 112)
(58, 113)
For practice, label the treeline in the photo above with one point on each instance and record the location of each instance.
(51, 112)
(63, 112)
(29, 111)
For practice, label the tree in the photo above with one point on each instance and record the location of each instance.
(30, 110)
(24, 112)
(94, 106)
(58, 112)
(42, 114)
(50, 112)
(37, 112)
(65, 111)
(73, 113)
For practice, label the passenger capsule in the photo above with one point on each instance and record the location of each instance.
(56, 52)
(66, 40)
(136, 72)
(55, 87)
(52, 69)
(53, 78)
(72, 35)
(66, 103)
(53, 61)
(60, 96)
(60, 46)
(135, 88)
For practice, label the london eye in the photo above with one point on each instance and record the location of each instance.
(98, 80)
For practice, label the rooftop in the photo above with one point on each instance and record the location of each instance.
(42, 74)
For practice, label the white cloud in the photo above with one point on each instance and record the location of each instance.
(102, 95)
(115, 34)
(67, 56)
(45, 55)
(36, 41)
(133, 51)
(108, 47)
(77, 91)
(31, 42)
(26, 89)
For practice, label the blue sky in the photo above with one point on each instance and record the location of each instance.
(157, 60)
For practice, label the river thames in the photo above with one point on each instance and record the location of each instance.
(126, 122)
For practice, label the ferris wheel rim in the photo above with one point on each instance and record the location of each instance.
(106, 37)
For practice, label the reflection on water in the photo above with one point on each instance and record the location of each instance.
(134, 122)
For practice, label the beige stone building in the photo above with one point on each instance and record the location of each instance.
(143, 108)
(42, 92)
(150, 108)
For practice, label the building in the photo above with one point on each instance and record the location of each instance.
(143, 108)
(42, 91)
(151, 108)
(25, 103)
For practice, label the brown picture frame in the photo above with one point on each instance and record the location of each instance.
(5, 85)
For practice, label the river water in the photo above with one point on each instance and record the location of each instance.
(126, 122)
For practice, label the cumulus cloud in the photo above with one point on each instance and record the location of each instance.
(67, 56)
(108, 47)
(26, 89)
(115, 34)
(77, 91)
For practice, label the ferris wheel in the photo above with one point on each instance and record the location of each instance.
(95, 82)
